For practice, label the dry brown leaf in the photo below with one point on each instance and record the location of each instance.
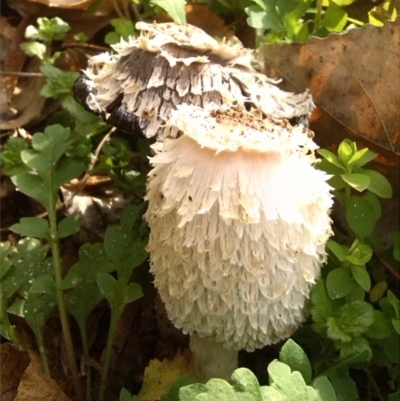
(14, 361)
(354, 80)
(23, 379)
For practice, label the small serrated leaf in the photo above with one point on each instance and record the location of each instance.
(44, 285)
(32, 227)
(107, 285)
(133, 292)
(68, 226)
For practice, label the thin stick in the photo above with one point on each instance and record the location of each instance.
(21, 74)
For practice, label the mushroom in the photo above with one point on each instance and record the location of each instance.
(239, 219)
(171, 64)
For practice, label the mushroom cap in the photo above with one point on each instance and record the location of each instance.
(239, 218)
(171, 64)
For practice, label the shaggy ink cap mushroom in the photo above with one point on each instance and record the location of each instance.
(171, 64)
(239, 219)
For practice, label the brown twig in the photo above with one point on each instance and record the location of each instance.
(387, 266)
(21, 74)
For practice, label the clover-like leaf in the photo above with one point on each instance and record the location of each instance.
(293, 355)
(68, 226)
(32, 227)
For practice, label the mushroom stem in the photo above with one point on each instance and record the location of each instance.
(210, 359)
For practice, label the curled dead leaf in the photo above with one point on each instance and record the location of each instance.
(354, 80)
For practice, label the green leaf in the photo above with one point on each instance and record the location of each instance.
(394, 301)
(356, 347)
(68, 226)
(335, 19)
(339, 283)
(123, 248)
(360, 216)
(134, 292)
(324, 389)
(344, 386)
(81, 301)
(361, 275)
(362, 157)
(394, 396)
(173, 392)
(345, 152)
(357, 181)
(10, 157)
(381, 327)
(67, 170)
(125, 395)
(24, 265)
(322, 306)
(33, 186)
(174, 8)
(59, 83)
(32, 227)
(374, 202)
(73, 107)
(92, 260)
(33, 49)
(108, 286)
(391, 347)
(37, 310)
(331, 158)
(267, 18)
(353, 320)
(48, 29)
(337, 249)
(291, 384)
(44, 285)
(293, 355)
(356, 294)
(379, 183)
(189, 393)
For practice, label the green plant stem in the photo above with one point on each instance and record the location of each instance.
(85, 346)
(55, 249)
(318, 15)
(115, 315)
(391, 7)
(42, 352)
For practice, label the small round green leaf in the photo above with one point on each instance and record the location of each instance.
(337, 249)
(361, 275)
(339, 283)
(378, 184)
(360, 216)
(357, 181)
